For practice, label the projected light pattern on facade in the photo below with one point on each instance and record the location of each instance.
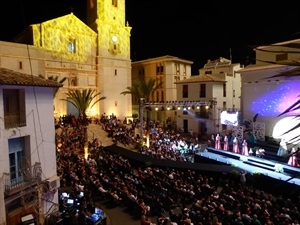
(66, 37)
(275, 99)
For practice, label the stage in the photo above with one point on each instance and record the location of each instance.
(250, 164)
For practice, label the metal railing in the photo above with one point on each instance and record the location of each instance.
(24, 178)
(13, 120)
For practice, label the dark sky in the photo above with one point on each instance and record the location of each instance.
(195, 30)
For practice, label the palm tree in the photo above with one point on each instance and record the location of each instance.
(142, 89)
(54, 78)
(83, 100)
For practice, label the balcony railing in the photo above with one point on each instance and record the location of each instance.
(27, 177)
(13, 120)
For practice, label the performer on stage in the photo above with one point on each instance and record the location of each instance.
(293, 158)
(282, 150)
(235, 148)
(245, 148)
(218, 142)
(225, 147)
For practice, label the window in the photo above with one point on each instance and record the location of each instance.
(72, 81)
(224, 106)
(202, 90)
(234, 93)
(16, 154)
(14, 108)
(184, 70)
(224, 90)
(116, 72)
(208, 72)
(185, 91)
(20, 65)
(162, 96)
(72, 45)
(141, 71)
(159, 69)
(281, 57)
(177, 68)
(114, 3)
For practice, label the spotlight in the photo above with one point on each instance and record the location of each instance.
(168, 108)
(156, 108)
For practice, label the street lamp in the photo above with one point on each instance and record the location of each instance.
(141, 119)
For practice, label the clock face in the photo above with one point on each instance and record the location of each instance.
(114, 38)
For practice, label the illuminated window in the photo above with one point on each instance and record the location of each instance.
(72, 45)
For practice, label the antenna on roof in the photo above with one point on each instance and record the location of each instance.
(230, 54)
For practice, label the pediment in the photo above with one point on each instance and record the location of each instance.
(68, 23)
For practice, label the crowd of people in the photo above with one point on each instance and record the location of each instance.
(204, 198)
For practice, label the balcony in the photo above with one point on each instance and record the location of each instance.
(13, 120)
(23, 179)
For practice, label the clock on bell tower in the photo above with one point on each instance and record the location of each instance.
(107, 19)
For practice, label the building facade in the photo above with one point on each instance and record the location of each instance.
(269, 87)
(29, 182)
(165, 70)
(210, 102)
(91, 56)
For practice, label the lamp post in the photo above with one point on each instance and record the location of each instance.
(141, 119)
(214, 103)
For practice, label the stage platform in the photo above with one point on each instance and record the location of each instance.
(251, 164)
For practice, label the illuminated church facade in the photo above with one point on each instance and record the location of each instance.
(93, 56)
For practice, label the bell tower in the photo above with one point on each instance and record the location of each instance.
(107, 19)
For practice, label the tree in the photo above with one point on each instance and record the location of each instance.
(54, 78)
(143, 89)
(83, 100)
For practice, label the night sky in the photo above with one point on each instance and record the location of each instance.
(196, 30)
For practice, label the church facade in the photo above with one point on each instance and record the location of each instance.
(94, 56)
